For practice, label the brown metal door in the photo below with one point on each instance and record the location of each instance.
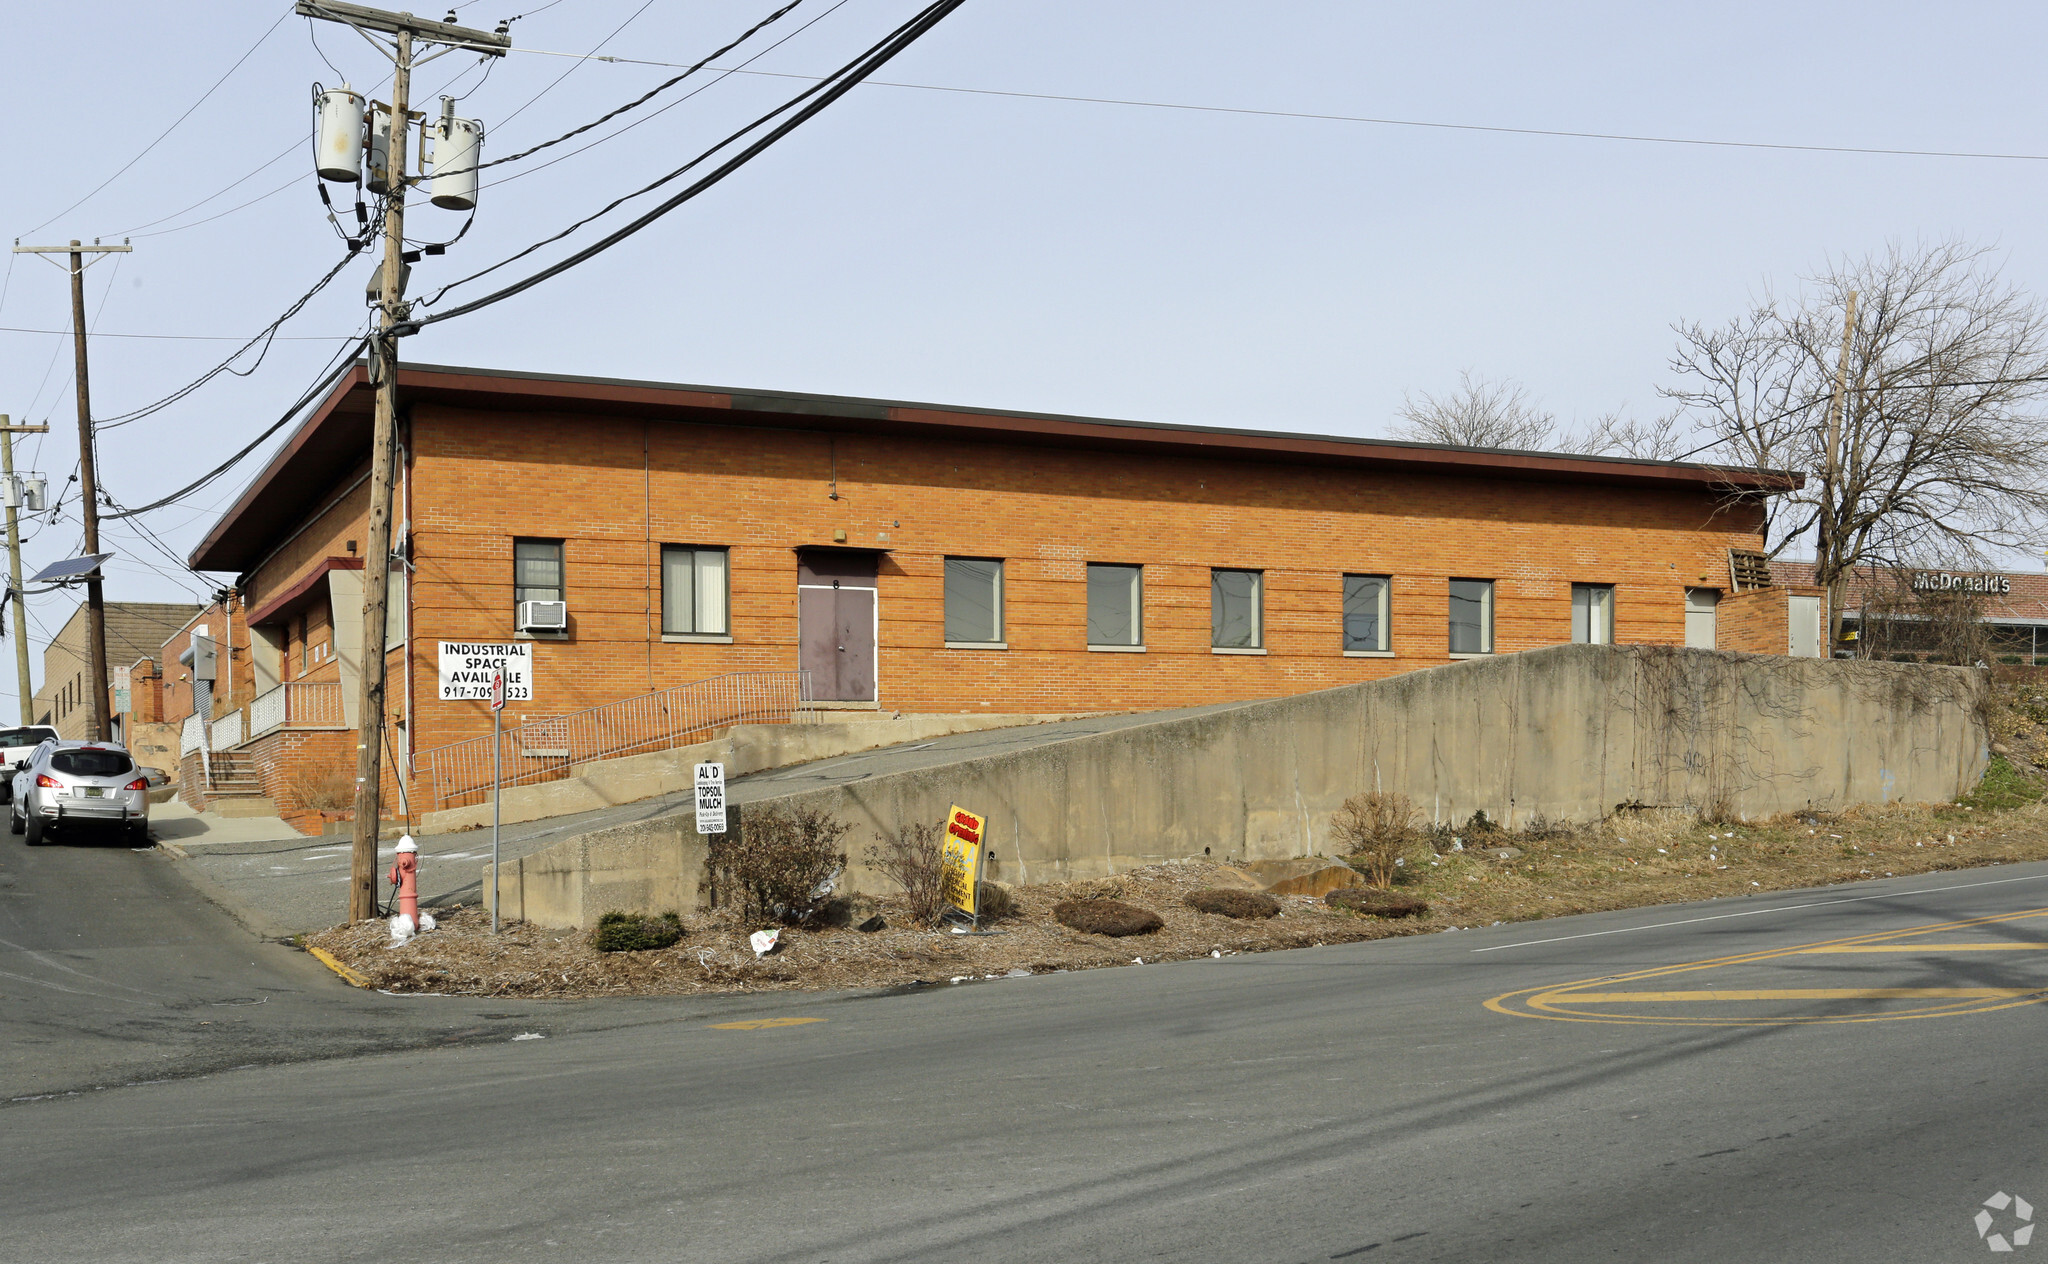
(836, 624)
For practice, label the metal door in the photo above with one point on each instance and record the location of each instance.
(1803, 635)
(1699, 617)
(836, 614)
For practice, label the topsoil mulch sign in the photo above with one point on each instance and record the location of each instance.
(960, 858)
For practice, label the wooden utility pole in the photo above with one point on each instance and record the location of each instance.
(21, 665)
(95, 598)
(1830, 522)
(403, 28)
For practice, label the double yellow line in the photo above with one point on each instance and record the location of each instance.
(1559, 1002)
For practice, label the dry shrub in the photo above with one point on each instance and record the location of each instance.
(325, 790)
(1107, 917)
(910, 859)
(994, 902)
(782, 862)
(1377, 902)
(635, 932)
(1375, 830)
(1229, 902)
(1650, 827)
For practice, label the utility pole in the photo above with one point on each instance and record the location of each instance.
(1830, 521)
(21, 667)
(403, 29)
(95, 598)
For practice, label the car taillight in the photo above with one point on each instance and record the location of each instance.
(140, 783)
(46, 780)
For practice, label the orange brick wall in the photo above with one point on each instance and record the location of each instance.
(1755, 622)
(616, 489)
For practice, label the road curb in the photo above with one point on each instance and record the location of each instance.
(335, 964)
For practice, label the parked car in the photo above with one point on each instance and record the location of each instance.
(157, 776)
(17, 745)
(64, 786)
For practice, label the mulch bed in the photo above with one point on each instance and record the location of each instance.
(461, 956)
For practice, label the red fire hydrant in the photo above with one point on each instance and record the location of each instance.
(405, 875)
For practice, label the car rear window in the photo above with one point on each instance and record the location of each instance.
(91, 763)
(24, 737)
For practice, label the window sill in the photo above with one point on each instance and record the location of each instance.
(1116, 649)
(1484, 654)
(1368, 653)
(977, 645)
(540, 636)
(1224, 649)
(695, 638)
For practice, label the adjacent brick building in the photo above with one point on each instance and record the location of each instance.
(916, 557)
(134, 631)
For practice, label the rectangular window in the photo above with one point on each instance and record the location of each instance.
(974, 600)
(1116, 605)
(536, 570)
(694, 588)
(1593, 614)
(1365, 613)
(1235, 616)
(1471, 616)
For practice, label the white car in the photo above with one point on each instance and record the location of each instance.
(65, 785)
(17, 745)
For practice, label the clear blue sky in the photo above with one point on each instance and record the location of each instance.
(1164, 265)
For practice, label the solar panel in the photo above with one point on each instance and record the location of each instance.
(70, 568)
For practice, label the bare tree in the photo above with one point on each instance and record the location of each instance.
(1936, 450)
(1663, 438)
(1480, 413)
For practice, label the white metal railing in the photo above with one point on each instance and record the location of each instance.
(192, 736)
(545, 750)
(267, 712)
(298, 705)
(227, 731)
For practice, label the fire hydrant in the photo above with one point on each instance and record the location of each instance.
(405, 875)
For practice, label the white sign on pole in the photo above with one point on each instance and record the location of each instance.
(498, 690)
(711, 798)
(467, 667)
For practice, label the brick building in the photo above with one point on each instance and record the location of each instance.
(921, 558)
(1881, 606)
(134, 631)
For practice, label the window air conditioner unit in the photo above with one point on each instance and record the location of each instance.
(543, 616)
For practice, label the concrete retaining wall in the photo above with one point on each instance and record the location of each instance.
(1568, 732)
(746, 748)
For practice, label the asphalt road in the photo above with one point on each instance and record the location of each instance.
(1354, 1102)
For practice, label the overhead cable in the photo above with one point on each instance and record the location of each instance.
(824, 93)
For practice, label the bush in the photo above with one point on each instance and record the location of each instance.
(1227, 902)
(910, 859)
(1376, 903)
(635, 932)
(995, 901)
(1375, 830)
(1107, 917)
(781, 862)
(328, 790)
(2010, 659)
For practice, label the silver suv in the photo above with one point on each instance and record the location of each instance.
(80, 783)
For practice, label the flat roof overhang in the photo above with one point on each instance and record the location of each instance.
(336, 435)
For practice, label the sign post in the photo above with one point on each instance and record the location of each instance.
(960, 861)
(497, 779)
(711, 798)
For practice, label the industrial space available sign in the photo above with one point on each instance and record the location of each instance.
(960, 858)
(467, 667)
(711, 798)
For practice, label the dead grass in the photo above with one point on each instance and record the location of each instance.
(1232, 902)
(1112, 918)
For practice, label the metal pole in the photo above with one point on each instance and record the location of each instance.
(95, 599)
(497, 793)
(21, 666)
(377, 560)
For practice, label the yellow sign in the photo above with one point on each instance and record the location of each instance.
(960, 858)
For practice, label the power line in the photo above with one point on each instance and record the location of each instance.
(168, 130)
(65, 333)
(572, 70)
(825, 93)
(1558, 133)
(328, 379)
